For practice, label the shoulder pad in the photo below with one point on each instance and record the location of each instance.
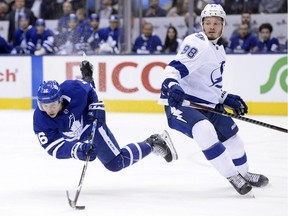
(200, 36)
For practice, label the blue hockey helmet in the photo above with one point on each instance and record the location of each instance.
(94, 16)
(40, 22)
(114, 18)
(23, 16)
(73, 17)
(48, 92)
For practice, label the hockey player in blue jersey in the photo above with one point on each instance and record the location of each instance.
(5, 47)
(69, 41)
(92, 33)
(196, 75)
(109, 36)
(242, 42)
(266, 43)
(147, 43)
(62, 122)
(42, 41)
(23, 35)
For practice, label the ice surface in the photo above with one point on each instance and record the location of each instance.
(34, 183)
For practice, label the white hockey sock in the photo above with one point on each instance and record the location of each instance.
(221, 160)
(235, 147)
(206, 137)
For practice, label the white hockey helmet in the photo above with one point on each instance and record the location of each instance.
(213, 10)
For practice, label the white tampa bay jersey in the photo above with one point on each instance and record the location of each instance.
(198, 67)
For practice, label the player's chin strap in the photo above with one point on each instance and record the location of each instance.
(225, 113)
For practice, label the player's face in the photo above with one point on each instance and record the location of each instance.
(94, 24)
(52, 109)
(24, 23)
(72, 24)
(113, 25)
(147, 30)
(40, 29)
(243, 30)
(212, 27)
(265, 34)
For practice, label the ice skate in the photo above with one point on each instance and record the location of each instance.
(162, 145)
(256, 180)
(240, 184)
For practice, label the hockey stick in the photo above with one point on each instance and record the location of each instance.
(225, 113)
(73, 203)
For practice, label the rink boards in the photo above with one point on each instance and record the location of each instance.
(131, 83)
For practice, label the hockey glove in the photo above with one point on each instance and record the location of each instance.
(80, 151)
(96, 111)
(175, 94)
(235, 103)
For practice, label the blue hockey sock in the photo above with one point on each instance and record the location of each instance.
(129, 155)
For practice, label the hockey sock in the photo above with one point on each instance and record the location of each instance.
(235, 147)
(220, 159)
(129, 155)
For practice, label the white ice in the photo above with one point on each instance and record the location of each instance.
(34, 183)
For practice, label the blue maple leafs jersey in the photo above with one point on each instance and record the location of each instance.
(22, 39)
(58, 135)
(45, 40)
(145, 45)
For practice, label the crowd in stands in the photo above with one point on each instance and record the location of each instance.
(78, 27)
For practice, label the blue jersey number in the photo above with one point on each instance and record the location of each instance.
(189, 51)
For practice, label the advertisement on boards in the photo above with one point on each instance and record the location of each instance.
(15, 77)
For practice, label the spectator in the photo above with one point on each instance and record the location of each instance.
(181, 8)
(68, 41)
(147, 43)
(172, 42)
(64, 20)
(4, 9)
(154, 10)
(5, 47)
(83, 22)
(196, 25)
(42, 41)
(234, 6)
(243, 42)
(36, 8)
(44, 9)
(92, 33)
(109, 36)
(275, 6)
(252, 6)
(246, 19)
(266, 43)
(107, 10)
(76, 4)
(23, 36)
(13, 18)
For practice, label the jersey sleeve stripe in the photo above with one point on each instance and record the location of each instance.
(54, 154)
(180, 67)
(51, 145)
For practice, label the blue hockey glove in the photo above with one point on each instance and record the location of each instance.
(235, 103)
(175, 95)
(96, 111)
(82, 150)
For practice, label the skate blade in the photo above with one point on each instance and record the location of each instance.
(250, 194)
(169, 142)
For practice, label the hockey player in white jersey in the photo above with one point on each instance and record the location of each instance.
(196, 75)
